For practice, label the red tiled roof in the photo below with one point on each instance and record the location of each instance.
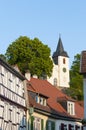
(45, 88)
(81, 103)
(79, 110)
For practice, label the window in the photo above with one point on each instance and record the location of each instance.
(10, 112)
(5, 77)
(6, 112)
(50, 125)
(1, 108)
(44, 102)
(64, 61)
(9, 76)
(2, 74)
(14, 115)
(37, 124)
(63, 126)
(71, 127)
(70, 108)
(40, 100)
(37, 98)
(55, 81)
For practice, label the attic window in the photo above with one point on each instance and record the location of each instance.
(71, 108)
(41, 100)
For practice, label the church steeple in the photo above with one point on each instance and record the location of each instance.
(59, 51)
(60, 73)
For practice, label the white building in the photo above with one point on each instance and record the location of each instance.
(12, 101)
(60, 74)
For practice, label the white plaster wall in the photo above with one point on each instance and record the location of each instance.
(62, 78)
(54, 75)
(11, 116)
(11, 86)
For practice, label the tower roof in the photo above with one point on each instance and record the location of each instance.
(59, 51)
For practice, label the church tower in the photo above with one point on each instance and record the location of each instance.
(60, 74)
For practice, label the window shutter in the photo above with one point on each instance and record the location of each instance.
(77, 127)
(82, 128)
(52, 125)
(42, 124)
(62, 126)
(71, 127)
(46, 125)
(32, 119)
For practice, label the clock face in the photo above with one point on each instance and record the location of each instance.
(64, 69)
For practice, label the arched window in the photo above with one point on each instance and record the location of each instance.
(55, 81)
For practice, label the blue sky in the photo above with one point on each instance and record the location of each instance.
(44, 19)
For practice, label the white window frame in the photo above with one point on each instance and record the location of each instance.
(37, 123)
(6, 108)
(71, 107)
(37, 98)
(44, 102)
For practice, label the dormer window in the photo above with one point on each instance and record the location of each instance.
(37, 98)
(71, 108)
(41, 100)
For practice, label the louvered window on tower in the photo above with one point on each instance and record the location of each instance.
(64, 61)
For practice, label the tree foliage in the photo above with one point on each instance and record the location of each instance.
(30, 55)
(2, 56)
(76, 80)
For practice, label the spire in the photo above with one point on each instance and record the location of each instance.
(59, 51)
(60, 48)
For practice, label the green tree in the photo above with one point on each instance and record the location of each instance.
(30, 55)
(76, 80)
(2, 56)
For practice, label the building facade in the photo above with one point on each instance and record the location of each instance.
(12, 100)
(50, 109)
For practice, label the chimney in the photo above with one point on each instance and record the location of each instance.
(28, 75)
(35, 76)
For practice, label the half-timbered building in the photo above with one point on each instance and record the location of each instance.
(12, 100)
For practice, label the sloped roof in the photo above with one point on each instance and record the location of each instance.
(59, 51)
(54, 95)
(11, 69)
